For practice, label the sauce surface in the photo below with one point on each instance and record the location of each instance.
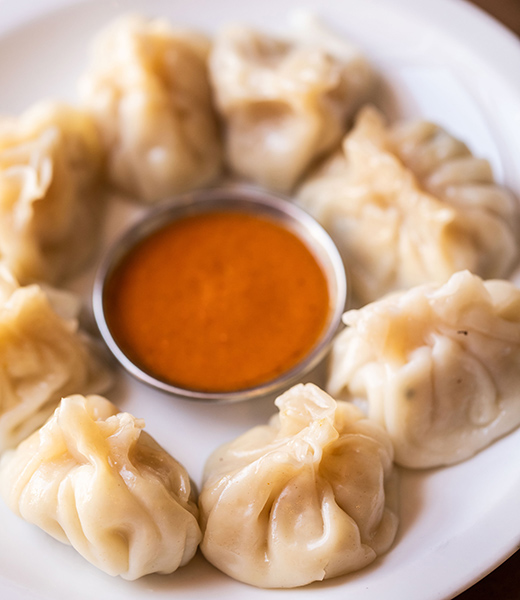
(217, 302)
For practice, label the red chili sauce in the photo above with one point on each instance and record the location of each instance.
(217, 302)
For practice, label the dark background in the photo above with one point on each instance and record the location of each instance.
(506, 11)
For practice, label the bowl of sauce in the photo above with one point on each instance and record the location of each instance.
(221, 295)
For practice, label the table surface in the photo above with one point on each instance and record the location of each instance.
(504, 582)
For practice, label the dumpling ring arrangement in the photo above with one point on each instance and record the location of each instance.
(436, 366)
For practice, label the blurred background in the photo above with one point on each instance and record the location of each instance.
(508, 12)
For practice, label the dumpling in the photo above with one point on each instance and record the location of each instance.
(307, 497)
(438, 366)
(50, 196)
(43, 356)
(408, 204)
(148, 89)
(285, 102)
(91, 477)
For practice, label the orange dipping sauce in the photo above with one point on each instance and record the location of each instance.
(217, 302)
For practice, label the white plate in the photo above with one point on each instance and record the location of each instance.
(442, 59)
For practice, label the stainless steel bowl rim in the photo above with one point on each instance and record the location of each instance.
(236, 198)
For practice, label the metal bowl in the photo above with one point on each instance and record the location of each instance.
(243, 199)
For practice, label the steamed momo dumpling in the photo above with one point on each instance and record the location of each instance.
(437, 366)
(43, 356)
(149, 91)
(409, 204)
(285, 102)
(301, 499)
(91, 477)
(50, 197)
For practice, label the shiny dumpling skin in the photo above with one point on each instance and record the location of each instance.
(408, 204)
(438, 366)
(51, 203)
(91, 477)
(43, 356)
(307, 497)
(285, 102)
(147, 86)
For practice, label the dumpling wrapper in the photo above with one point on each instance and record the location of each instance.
(51, 201)
(307, 497)
(91, 477)
(438, 366)
(148, 89)
(409, 204)
(43, 357)
(285, 102)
